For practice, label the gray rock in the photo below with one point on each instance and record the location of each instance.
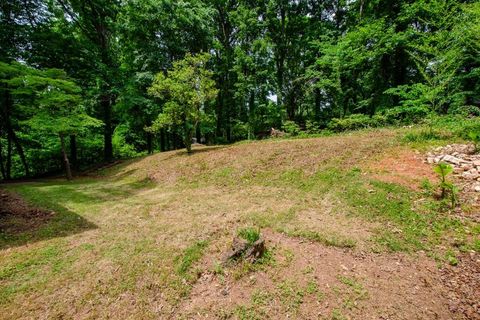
(452, 159)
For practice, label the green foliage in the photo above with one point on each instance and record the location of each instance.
(121, 148)
(291, 128)
(475, 137)
(355, 122)
(405, 115)
(448, 189)
(187, 89)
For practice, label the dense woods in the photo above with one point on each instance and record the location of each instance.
(85, 82)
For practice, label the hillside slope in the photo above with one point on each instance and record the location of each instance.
(350, 234)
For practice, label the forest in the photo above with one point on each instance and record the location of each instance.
(87, 82)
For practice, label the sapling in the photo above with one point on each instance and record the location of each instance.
(447, 188)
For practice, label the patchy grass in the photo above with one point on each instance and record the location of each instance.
(191, 255)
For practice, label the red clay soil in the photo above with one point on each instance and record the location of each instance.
(17, 216)
(404, 167)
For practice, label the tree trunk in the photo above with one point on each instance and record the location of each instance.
(149, 143)
(19, 148)
(108, 130)
(73, 151)
(65, 158)
(318, 101)
(2, 167)
(163, 146)
(8, 170)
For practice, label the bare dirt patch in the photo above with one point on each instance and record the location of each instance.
(402, 166)
(17, 216)
(463, 283)
(311, 281)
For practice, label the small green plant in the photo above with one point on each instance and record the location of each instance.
(447, 188)
(249, 234)
(475, 137)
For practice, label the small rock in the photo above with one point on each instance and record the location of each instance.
(452, 159)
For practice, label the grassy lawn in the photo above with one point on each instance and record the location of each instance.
(136, 240)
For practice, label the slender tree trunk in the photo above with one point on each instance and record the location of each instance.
(73, 151)
(317, 104)
(2, 166)
(108, 129)
(19, 148)
(8, 170)
(65, 158)
(149, 143)
(163, 146)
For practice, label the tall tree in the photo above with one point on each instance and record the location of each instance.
(187, 88)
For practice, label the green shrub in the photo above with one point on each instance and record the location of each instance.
(121, 148)
(355, 122)
(405, 114)
(475, 137)
(291, 128)
(239, 131)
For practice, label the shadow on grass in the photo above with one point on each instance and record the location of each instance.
(31, 225)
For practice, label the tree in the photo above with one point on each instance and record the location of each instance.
(186, 88)
(53, 103)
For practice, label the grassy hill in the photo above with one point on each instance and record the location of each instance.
(350, 227)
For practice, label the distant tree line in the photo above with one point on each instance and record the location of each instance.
(91, 72)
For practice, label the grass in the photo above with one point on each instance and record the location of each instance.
(191, 255)
(249, 234)
(133, 234)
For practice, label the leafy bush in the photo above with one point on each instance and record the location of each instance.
(239, 131)
(291, 128)
(312, 127)
(475, 137)
(405, 114)
(356, 121)
(121, 148)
